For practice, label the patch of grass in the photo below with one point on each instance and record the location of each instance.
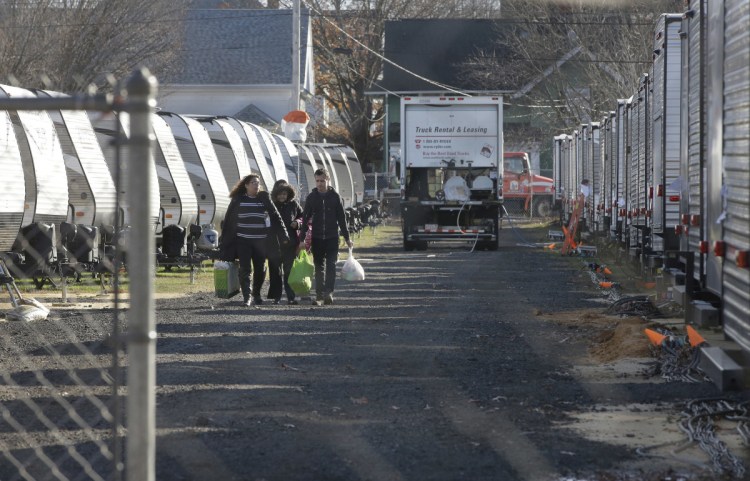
(177, 280)
(173, 281)
(368, 239)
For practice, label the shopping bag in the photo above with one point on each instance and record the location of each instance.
(226, 279)
(301, 274)
(352, 269)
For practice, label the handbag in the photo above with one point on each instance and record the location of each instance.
(226, 279)
(301, 273)
(352, 270)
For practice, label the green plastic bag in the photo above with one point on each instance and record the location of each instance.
(301, 274)
(226, 280)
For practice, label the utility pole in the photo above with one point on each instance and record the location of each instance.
(294, 100)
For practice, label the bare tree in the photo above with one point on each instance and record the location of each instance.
(348, 41)
(574, 57)
(68, 45)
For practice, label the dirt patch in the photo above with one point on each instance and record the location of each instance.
(611, 337)
(626, 339)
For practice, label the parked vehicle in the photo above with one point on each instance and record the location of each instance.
(12, 194)
(525, 189)
(35, 247)
(675, 166)
(50, 226)
(728, 169)
(451, 170)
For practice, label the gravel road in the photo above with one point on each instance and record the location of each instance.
(441, 365)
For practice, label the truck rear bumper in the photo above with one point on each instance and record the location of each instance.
(450, 233)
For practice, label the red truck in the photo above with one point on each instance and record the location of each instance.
(524, 190)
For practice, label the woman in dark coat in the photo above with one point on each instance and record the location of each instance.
(281, 255)
(244, 231)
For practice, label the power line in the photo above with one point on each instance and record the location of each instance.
(437, 84)
(541, 59)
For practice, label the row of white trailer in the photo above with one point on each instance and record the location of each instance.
(69, 168)
(669, 166)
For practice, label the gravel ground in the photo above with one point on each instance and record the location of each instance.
(441, 365)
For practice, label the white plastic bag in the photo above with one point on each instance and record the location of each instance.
(352, 270)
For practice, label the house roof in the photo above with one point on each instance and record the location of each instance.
(239, 47)
(434, 49)
(254, 115)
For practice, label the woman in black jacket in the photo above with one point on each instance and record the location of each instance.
(244, 231)
(281, 255)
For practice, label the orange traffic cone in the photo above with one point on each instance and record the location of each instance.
(655, 338)
(693, 336)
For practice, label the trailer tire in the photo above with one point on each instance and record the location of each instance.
(421, 245)
(543, 207)
(408, 245)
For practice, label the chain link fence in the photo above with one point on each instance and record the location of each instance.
(517, 207)
(523, 207)
(60, 396)
(67, 411)
(386, 189)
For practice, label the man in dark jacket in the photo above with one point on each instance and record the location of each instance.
(325, 210)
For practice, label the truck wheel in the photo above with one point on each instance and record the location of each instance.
(487, 245)
(409, 245)
(421, 245)
(543, 208)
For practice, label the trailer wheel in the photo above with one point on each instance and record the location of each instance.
(543, 207)
(421, 245)
(408, 245)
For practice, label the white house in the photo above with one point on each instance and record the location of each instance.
(238, 62)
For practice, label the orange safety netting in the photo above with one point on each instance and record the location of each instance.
(570, 232)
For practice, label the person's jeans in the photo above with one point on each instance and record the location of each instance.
(251, 250)
(325, 253)
(279, 267)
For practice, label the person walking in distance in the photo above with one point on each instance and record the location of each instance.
(280, 255)
(323, 207)
(244, 231)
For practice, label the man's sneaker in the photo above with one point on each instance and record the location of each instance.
(328, 300)
(317, 302)
(293, 302)
(257, 301)
(247, 302)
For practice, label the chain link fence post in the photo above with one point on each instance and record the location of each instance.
(141, 403)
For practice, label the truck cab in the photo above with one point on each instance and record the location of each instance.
(524, 190)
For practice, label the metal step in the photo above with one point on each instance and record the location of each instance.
(702, 314)
(722, 369)
(677, 294)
